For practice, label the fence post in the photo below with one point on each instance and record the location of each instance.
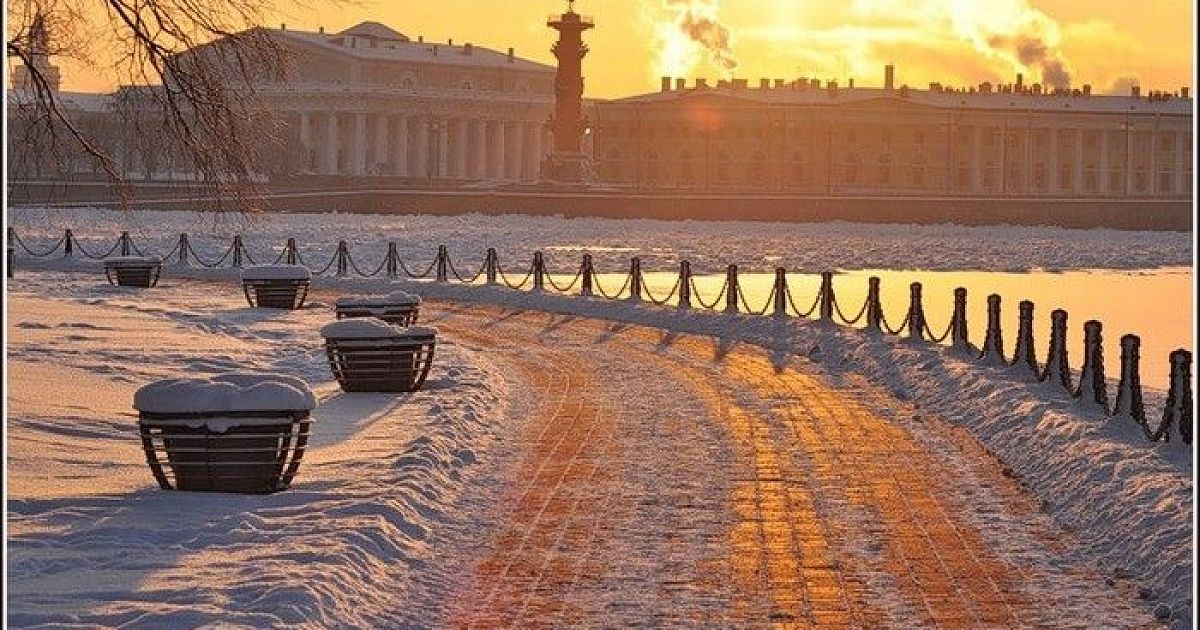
(958, 322)
(635, 279)
(874, 307)
(1024, 353)
(184, 246)
(440, 264)
(916, 313)
(393, 267)
(685, 284)
(826, 298)
(237, 250)
(1057, 368)
(8, 267)
(1092, 387)
(1178, 410)
(1129, 391)
(539, 272)
(993, 340)
(343, 254)
(731, 290)
(490, 266)
(290, 251)
(585, 282)
(68, 245)
(779, 292)
(125, 248)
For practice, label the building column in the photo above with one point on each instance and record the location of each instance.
(536, 134)
(1104, 166)
(329, 163)
(421, 168)
(400, 147)
(461, 148)
(306, 139)
(1053, 183)
(1180, 161)
(479, 157)
(976, 160)
(1027, 154)
(516, 161)
(358, 145)
(1129, 158)
(382, 142)
(1077, 181)
(443, 140)
(1154, 161)
(496, 167)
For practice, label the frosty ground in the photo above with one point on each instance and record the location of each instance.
(563, 469)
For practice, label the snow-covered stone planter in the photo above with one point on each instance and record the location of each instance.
(241, 433)
(276, 286)
(367, 355)
(133, 271)
(400, 308)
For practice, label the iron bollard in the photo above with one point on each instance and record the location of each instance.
(392, 264)
(1024, 353)
(9, 265)
(442, 271)
(731, 290)
(1057, 368)
(685, 284)
(343, 255)
(916, 313)
(993, 340)
(589, 274)
(184, 246)
(826, 308)
(635, 279)
(1178, 411)
(126, 250)
(958, 321)
(539, 272)
(1092, 386)
(779, 292)
(874, 306)
(237, 250)
(1129, 391)
(68, 244)
(289, 251)
(489, 263)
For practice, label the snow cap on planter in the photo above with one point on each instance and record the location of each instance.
(276, 272)
(395, 298)
(225, 393)
(132, 261)
(366, 328)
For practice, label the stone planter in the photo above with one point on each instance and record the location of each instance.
(399, 308)
(367, 355)
(276, 286)
(133, 271)
(234, 433)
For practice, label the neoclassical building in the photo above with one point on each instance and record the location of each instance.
(371, 101)
(801, 137)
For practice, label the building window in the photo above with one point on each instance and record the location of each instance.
(1166, 180)
(612, 165)
(989, 175)
(1116, 180)
(1039, 176)
(651, 165)
(758, 168)
(850, 169)
(1089, 179)
(722, 166)
(687, 168)
(918, 174)
(1012, 181)
(885, 170)
(963, 175)
(1140, 179)
(1064, 176)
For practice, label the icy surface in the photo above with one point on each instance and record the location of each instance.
(276, 272)
(227, 392)
(395, 298)
(132, 261)
(367, 328)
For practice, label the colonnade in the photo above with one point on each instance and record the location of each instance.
(421, 145)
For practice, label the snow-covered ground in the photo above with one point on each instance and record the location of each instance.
(661, 244)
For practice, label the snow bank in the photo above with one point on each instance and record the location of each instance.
(395, 298)
(367, 328)
(276, 272)
(225, 393)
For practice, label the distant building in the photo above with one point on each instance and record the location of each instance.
(801, 137)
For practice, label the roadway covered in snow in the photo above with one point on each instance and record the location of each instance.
(575, 462)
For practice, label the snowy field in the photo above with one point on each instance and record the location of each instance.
(395, 486)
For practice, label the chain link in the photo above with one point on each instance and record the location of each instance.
(53, 249)
(200, 260)
(946, 334)
(746, 305)
(889, 329)
(663, 302)
(792, 303)
(600, 288)
(454, 271)
(404, 268)
(519, 285)
(715, 302)
(570, 285)
(845, 320)
(350, 259)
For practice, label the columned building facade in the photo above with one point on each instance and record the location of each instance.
(789, 138)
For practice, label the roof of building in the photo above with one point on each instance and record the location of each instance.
(946, 99)
(69, 101)
(374, 41)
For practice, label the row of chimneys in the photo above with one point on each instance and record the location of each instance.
(467, 48)
(889, 83)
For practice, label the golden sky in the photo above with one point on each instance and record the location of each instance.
(958, 42)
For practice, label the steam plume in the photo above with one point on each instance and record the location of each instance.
(698, 21)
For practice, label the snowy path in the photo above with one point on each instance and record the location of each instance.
(678, 480)
(560, 471)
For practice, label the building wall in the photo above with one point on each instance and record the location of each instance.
(890, 147)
